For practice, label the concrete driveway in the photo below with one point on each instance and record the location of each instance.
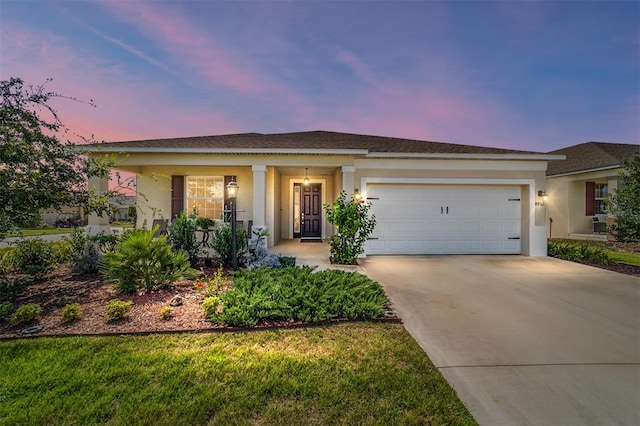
(524, 341)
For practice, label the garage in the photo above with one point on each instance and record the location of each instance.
(445, 219)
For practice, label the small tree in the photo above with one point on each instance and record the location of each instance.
(624, 204)
(182, 235)
(38, 170)
(354, 225)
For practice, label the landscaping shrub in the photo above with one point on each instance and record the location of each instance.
(62, 252)
(26, 313)
(354, 225)
(213, 286)
(166, 313)
(6, 309)
(117, 309)
(624, 204)
(182, 235)
(140, 261)
(84, 252)
(221, 242)
(33, 256)
(12, 285)
(210, 306)
(71, 312)
(579, 250)
(298, 294)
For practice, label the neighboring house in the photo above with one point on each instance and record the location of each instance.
(65, 216)
(578, 187)
(428, 197)
(120, 206)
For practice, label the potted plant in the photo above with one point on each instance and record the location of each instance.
(204, 223)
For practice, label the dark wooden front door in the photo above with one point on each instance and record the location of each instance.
(311, 211)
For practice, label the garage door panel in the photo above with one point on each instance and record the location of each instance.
(441, 219)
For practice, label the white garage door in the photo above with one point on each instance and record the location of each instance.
(445, 219)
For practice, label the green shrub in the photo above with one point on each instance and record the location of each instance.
(34, 256)
(182, 235)
(562, 250)
(624, 203)
(12, 285)
(213, 286)
(165, 312)
(210, 306)
(579, 250)
(26, 313)
(71, 312)
(221, 242)
(204, 223)
(354, 225)
(6, 309)
(84, 252)
(62, 252)
(140, 261)
(117, 309)
(298, 294)
(7, 264)
(287, 261)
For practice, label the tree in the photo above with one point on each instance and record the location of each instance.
(624, 204)
(351, 218)
(37, 170)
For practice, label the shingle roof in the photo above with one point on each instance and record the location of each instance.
(320, 140)
(590, 156)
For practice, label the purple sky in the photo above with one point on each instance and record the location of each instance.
(515, 74)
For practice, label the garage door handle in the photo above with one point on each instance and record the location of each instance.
(441, 209)
(447, 209)
(514, 238)
(372, 238)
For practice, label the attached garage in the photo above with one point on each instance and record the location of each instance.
(445, 219)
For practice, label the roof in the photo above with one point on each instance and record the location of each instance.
(321, 142)
(591, 156)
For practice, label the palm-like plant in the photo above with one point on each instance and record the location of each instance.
(140, 261)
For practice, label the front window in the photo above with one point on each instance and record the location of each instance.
(600, 198)
(205, 193)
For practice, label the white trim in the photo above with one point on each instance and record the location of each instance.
(535, 244)
(259, 168)
(508, 156)
(324, 195)
(348, 169)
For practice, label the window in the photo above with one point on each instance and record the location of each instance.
(206, 193)
(600, 198)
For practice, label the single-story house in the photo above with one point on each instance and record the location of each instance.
(578, 187)
(428, 197)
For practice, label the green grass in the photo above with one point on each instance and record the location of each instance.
(623, 257)
(345, 374)
(38, 232)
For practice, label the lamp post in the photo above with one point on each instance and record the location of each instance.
(232, 194)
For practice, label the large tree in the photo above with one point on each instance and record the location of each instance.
(624, 204)
(37, 169)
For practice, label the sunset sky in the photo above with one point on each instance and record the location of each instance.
(514, 74)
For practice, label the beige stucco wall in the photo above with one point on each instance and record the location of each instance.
(154, 187)
(567, 201)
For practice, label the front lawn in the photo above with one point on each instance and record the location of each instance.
(342, 374)
(39, 232)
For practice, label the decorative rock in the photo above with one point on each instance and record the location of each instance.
(176, 300)
(390, 314)
(32, 330)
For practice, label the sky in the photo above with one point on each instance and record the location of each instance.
(528, 75)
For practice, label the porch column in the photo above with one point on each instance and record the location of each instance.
(259, 194)
(348, 182)
(95, 223)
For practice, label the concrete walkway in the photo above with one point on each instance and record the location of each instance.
(524, 341)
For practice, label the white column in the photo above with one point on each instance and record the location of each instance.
(259, 194)
(97, 224)
(348, 182)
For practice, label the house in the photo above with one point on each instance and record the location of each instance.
(577, 188)
(428, 197)
(120, 206)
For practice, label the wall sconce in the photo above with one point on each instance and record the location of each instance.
(357, 195)
(306, 176)
(544, 196)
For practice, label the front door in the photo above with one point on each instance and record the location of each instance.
(310, 211)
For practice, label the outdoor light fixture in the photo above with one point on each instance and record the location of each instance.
(232, 194)
(544, 195)
(306, 176)
(356, 195)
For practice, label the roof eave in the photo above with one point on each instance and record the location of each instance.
(169, 150)
(467, 156)
(577, 172)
